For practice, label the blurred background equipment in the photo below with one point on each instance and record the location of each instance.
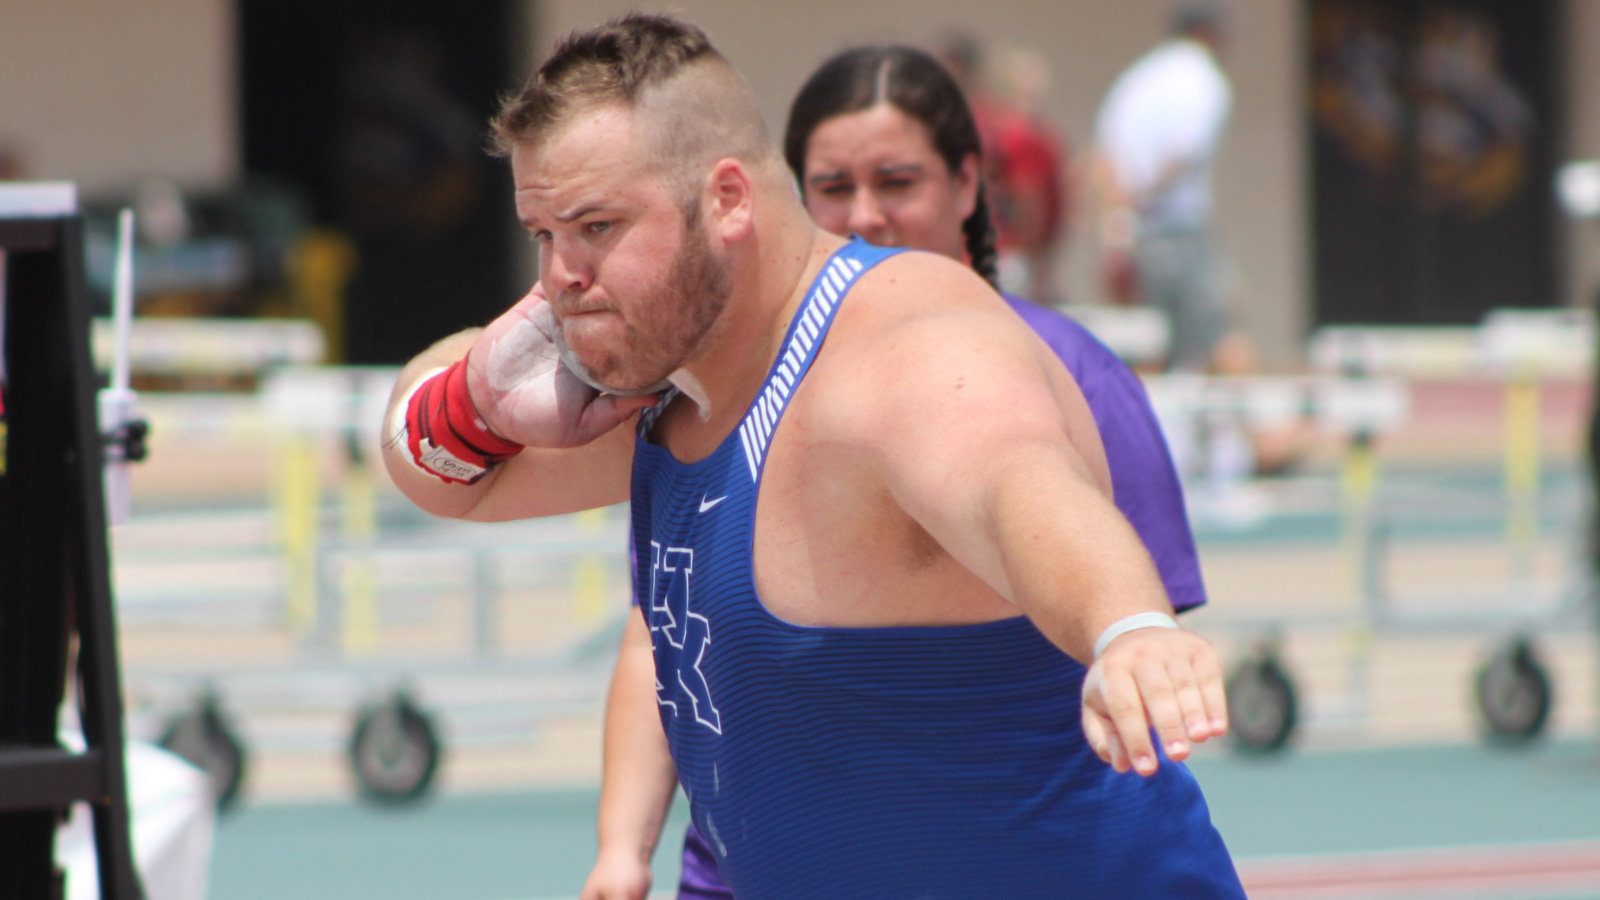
(58, 630)
(1380, 383)
(1578, 187)
(321, 616)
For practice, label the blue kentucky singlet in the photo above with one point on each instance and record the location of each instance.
(945, 763)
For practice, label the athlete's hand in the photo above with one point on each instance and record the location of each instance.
(526, 394)
(1161, 678)
(617, 876)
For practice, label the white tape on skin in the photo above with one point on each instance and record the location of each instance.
(1132, 623)
(524, 353)
(691, 387)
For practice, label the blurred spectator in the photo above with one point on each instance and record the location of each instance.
(1024, 162)
(1157, 137)
(11, 167)
(1157, 134)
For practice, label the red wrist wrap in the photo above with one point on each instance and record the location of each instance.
(445, 434)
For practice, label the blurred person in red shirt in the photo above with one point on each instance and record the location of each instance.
(1025, 161)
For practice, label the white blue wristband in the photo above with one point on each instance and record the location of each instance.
(1132, 623)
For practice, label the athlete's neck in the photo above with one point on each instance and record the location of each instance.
(768, 285)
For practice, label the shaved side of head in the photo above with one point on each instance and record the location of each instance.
(707, 112)
(692, 106)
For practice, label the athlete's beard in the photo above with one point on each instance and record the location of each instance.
(671, 327)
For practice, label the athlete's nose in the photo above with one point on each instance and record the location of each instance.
(565, 271)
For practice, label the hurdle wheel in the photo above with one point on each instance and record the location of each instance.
(1513, 694)
(203, 736)
(1261, 705)
(394, 751)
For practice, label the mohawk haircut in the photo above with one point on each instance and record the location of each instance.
(612, 64)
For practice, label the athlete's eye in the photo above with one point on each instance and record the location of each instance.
(541, 237)
(600, 227)
(837, 190)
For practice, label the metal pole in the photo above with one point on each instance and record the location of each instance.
(1593, 572)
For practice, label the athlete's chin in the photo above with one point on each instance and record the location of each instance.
(612, 360)
(615, 375)
(600, 350)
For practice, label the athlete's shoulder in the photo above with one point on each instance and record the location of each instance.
(913, 288)
(915, 328)
(917, 313)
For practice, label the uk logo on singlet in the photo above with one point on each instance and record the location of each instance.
(671, 577)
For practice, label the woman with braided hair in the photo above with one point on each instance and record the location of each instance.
(883, 145)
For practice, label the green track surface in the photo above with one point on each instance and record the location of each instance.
(536, 845)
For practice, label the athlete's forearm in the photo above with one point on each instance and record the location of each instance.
(426, 490)
(639, 776)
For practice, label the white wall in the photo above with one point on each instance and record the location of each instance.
(1583, 141)
(104, 92)
(1087, 42)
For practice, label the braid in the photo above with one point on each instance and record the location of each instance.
(979, 233)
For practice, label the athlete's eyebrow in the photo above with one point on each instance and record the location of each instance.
(578, 213)
(532, 222)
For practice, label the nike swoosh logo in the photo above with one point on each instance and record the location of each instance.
(707, 504)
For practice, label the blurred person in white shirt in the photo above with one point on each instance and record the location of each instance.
(1157, 137)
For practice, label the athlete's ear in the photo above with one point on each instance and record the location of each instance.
(731, 200)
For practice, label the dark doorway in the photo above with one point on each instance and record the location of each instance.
(1434, 129)
(377, 109)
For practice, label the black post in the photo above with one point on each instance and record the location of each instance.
(1594, 484)
(54, 574)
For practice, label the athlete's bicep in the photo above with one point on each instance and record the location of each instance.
(972, 410)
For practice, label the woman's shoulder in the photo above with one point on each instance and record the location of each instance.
(1078, 348)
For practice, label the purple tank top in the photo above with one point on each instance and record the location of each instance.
(1142, 475)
